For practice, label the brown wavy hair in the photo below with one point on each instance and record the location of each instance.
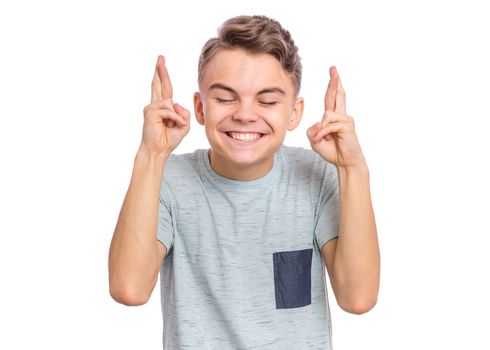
(256, 35)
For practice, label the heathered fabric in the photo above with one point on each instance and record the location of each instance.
(243, 268)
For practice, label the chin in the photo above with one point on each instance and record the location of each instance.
(247, 158)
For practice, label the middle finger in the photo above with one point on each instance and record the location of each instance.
(156, 84)
(331, 93)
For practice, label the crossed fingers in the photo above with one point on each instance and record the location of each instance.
(335, 95)
(335, 107)
(161, 87)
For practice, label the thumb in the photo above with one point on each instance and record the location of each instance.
(182, 112)
(312, 131)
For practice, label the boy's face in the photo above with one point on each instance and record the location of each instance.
(246, 103)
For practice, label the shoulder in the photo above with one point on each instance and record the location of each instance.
(182, 166)
(181, 175)
(304, 162)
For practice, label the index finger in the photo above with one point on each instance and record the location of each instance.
(156, 84)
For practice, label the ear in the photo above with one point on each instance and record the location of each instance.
(199, 108)
(297, 113)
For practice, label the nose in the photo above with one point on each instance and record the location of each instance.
(244, 113)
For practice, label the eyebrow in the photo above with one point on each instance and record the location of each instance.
(263, 91)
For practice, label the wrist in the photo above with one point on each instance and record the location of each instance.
(146, 152)
(354, 170)
(151, 157)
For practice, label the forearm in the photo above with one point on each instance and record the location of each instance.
(134, 261)
(357, 259)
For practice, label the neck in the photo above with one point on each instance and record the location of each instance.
(239, 172)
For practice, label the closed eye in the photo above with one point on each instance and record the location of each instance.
(268, 103)
(221, 100)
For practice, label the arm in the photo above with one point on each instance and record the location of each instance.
(135, 255)
(352, 259)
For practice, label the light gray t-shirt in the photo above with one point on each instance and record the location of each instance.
(243, 268)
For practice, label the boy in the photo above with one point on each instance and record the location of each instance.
(240, 233)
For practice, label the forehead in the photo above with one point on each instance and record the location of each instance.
(246, 72)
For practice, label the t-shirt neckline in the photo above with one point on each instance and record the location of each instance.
(264, 180)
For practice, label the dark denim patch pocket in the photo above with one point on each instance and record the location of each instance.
(292, 278)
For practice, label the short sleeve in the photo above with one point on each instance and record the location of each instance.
(165, 229)
(327, 209)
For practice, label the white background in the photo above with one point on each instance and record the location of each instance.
(75, 76)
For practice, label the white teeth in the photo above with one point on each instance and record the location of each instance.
(244, 136)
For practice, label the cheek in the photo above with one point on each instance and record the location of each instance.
(280, 118)
(211, 120)
(213, 109)
(214, 113)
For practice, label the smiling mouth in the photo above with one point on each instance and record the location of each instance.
(244, 136)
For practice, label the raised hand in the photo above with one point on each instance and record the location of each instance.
(334, 138)
(165, 123)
